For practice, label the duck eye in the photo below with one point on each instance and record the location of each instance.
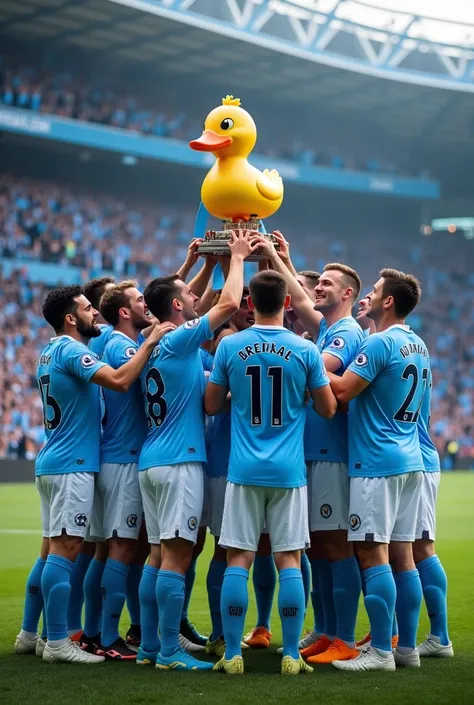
(226, 124)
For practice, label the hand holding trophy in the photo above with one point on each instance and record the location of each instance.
(233, 190)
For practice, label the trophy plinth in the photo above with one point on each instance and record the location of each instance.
(216, 241)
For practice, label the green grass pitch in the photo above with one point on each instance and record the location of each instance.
(25, 679)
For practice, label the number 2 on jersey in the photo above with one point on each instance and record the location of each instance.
(155, 388)
(404, 414)
(276, 376)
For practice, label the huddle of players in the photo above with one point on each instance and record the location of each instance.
(371, 479)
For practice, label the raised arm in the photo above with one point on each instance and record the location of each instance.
(301, 303)
(200, 282)
(241, 246)
(191, 258)
(120, 380)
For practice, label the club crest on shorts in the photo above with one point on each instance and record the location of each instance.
(132, 521)
(338, 343)
(80, 520)
(192, 324)
(326, 511)
(192, 523)
(361, 360)
(354, 522)
(88, 361)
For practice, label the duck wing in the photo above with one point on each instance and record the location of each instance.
(270, 185)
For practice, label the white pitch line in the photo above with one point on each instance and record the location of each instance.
(25, 532)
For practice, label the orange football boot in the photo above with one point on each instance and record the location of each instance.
(258, 638)
(367, 638)
(337, 651)
(319, 646)
(77, 636)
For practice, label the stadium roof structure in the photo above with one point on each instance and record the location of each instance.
(408, 75)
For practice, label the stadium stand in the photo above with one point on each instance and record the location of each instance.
(40, 220)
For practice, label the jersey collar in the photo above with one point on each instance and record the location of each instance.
(58, 337)
(403, 326)
(261, 327)
(119, 332)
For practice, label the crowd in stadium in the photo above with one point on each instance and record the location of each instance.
(69, 94)
(48, 222)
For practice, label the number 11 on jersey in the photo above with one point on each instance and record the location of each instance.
(276, 376)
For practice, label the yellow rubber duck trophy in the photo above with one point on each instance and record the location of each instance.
(233, 190)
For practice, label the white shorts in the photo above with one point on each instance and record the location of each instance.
(384, 509)
(426, 519)
(66, 503)
(328, 496)
(248, 507)
(172, 498)
(118, 509)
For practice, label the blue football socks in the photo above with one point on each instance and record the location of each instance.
(189, 579)
(56, 588)
(93, 598)
(76, 599)
(435, 588)
(170, 593)
(347, 587)
(408, 605)
(214, 580)
(33, 598)
(133, 586)
(114, 588)
(149, 609)
(264, 583)
(306, 573)
(380, 605)
(234, 604)
(291, 607)
(322, 583)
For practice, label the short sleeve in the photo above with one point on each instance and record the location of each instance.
(344, 344)
(79, 361)
(186, 339)
(119, 352)
(317, 376)
(219, 369)
(372, 358)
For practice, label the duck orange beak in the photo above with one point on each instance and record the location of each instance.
(210, 141)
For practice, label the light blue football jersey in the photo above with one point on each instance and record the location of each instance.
(383, 429)
(124, 426)
(325, 440)
(97, 345)
(173, 384)
(207, 359)
(268, 370)
(218, 439)
(71, 408)
(428, 449)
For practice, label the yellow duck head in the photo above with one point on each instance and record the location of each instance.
(229, 131)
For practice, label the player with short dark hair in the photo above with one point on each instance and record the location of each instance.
(386, 384)
(67, 464)
(170, 465)
(267, 369)
(118, 506)
(93, 291)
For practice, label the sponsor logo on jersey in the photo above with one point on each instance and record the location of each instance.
(192, 324)
(130, 352)
(361, 360)
(88, 361)
(354, 522)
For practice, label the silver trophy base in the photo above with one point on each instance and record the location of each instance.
(216, 241)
